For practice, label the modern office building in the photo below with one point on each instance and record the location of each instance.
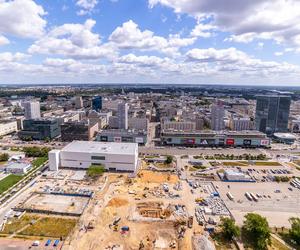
(32, 110)
(246, 139)
(123, 115)
(241, 123)
(8, 127)
(40, 129)
(217, 116)
(78, 102)
(272, 113)
(83, 154)
(82, 130)
(97, 103)
(123, 135)
(178, 125)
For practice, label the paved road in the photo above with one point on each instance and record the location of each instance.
(209, 151)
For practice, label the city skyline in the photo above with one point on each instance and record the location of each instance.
(155, 41)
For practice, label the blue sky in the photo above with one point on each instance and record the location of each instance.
(150, 41)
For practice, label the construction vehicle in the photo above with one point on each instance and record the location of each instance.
(199, 200)
(116, 221)
(91, 225)
(190, 221)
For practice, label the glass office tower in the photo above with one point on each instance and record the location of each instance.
(97, 103)
(272, 113)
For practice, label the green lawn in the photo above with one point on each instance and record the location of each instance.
(55, 227)
(39, 161)
(8, 182)
(51, 227)
(16, 224)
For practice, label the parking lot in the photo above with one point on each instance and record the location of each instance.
(277, 201)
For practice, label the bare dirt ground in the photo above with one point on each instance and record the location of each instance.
(117, 200)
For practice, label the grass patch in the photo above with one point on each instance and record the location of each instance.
(35, 225)
(267, 163)
(16, 224)
(8, 182)
(221, 243)
(234, 164)
(39, 161)
(277, 245)
(51, 227)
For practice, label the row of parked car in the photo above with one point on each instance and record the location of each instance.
(48, 243)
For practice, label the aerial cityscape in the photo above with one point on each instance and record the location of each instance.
(149, 124)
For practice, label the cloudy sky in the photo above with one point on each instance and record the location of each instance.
(150, 41)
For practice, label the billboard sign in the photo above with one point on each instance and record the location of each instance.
(247, 142)
(230, 142)
(117, 139)
(265, 142)
(203, 142)
(103, 138)
(188, 141)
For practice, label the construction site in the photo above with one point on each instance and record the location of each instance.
(53, 198)
(148, 211)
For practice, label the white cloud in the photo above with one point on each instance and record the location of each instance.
(202, 30)
(278, 53)
(10, 57)
(22, 18)
(87, 6)
(129, 36)
(238, 62)
(73, 40)
(3, 40)
(231, 55)
(143, 61)
(247, 19)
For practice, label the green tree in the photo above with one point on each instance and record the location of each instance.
(95, 171)
(295, 229)
(169, 159)
(229, 229)
(256, 229)
(4, 157)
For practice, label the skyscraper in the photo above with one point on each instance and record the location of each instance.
(123, 115)
(97, 103)
(272, 113)
(217, 116)
(32, 110)
(78, 102)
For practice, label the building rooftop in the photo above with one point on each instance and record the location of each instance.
(101, 147)
(17, 165)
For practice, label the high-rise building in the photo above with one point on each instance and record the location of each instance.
(40, 129)
(123, 115)
(217, 116)
(272, 113)
(97, 103)
(78, 102)
(32, 110)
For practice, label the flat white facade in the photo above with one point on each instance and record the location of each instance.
(83, 154)
(7, 127)
(54, 160)
(32, 110)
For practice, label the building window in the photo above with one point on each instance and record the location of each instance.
(99, 158)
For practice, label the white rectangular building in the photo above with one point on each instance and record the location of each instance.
(83, 154)
(18, 168)
(7, 127)
(32, 109)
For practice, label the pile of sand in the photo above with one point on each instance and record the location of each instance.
(117, 202)
(157, 177)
